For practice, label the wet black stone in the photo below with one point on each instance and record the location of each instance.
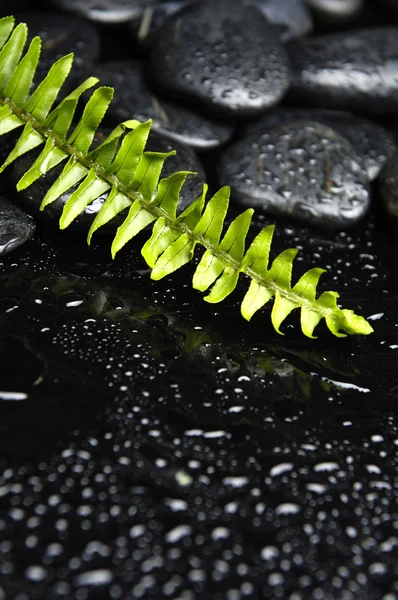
(145, 25)
(373, 143)
(224, 55)
(302, 170)
(105, 11)
(16, 227)
(353, 70)
(336, 10)
(30, 198)
(134, 99)
(291, 17)
(61, 35)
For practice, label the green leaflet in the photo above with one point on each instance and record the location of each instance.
(131, 176)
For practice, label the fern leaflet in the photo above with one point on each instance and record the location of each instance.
(131, 176)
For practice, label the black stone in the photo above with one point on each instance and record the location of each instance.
(302, 170)
(336, 10)
(105, 11)
(31, 198)
(146, 24)
(373, 143)
(16, 227)
(353, 70)
(62, 34)
(291, 17)
(223, 54)
(133, 99)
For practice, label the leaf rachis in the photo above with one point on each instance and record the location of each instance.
(132, 177)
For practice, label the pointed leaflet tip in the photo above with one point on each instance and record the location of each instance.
(137, 219)
(281, 309)
(177, 254)
(44, 96)
(6, 26)
(11, 53)
(255, 298)
(309, 319)
(355, 324)
(19, 85)
(113, 205)
(212, 220)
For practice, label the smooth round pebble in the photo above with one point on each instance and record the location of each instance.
(291, 18)
(373, 144)
(105, 11)
(30, 198)
(336, 10)
(302, 170)
(134, 99)
(353, 70)
(16, 227)
(222, 54)
(62, 34)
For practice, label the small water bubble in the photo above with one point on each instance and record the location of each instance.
(96, 577)
(287, 508)
(35, 573)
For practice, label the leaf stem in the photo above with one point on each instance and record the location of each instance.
(69, 149)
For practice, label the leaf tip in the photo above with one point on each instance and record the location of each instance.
(156, 274)
(114, 249)
(355, 324)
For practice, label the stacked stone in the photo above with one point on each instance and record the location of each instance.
(297, 119)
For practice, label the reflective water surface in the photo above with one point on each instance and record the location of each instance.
(154, 446)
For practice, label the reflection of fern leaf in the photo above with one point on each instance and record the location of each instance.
(131, 176)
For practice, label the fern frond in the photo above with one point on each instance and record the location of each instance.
(132, 176)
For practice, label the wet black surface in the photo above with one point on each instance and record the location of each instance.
(153, 446)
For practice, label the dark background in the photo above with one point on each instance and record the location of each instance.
(162, 447)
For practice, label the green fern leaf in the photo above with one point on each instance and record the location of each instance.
(175, 256)
(41, 101)
(28, 140)
(211, 223)
(113, 205)
(6, 27)
(72, 173)
(90, 189)
(11, 53)
(19, 85)
(131, 176)
(130, 153)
